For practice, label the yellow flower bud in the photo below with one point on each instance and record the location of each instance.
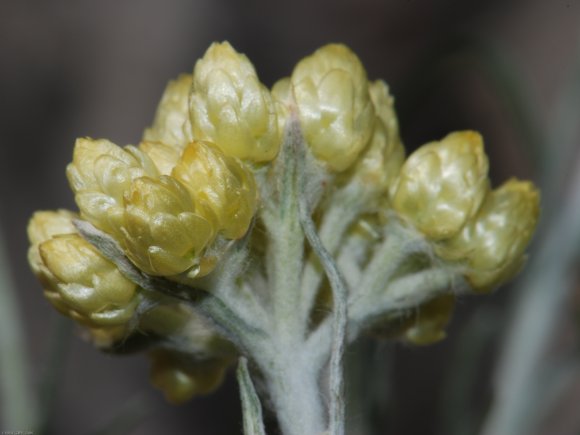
(431, 320)
(42, 227)
(100, 174)
(180, 379)
(229, 106)
(171, 125)
(222, 187)
(163, 233)
(337, 116)
(89, 283)
(77, 280)
(379, 165)
(493, 243)
(442, 185)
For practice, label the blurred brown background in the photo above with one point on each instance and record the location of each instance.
(97, 68)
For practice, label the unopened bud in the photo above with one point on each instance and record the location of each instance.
(442, 185)
(100, 174)
(230, 107)
(163, 232)
(331, 92)
(221, 186)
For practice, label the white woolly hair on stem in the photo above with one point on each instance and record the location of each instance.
(340, 319)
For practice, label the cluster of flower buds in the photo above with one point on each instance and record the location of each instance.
(174, 203)
(442, 189)
(167, 223)
(444, 192)
(178, 202)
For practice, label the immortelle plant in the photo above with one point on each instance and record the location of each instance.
(273, 228)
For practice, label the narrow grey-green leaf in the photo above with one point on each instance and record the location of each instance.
(251, 407)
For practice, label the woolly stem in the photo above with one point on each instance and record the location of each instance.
(339, 323)
(293, 384)
(286, 243)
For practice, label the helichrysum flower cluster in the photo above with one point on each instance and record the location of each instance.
(214, 196)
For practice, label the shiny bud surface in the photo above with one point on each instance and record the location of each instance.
(331, 92)
(230, 107)
(442, 185)
(162, 230)
(223, 189)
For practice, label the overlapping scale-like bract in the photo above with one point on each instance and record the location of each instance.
(230, 107)
(336, 113)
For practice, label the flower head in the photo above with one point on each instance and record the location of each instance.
(100, 174)
(442, 185)
(221, 186)
(336, 113)
(77, 279)
(230, 107)
(162, 231)
(218, 236)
